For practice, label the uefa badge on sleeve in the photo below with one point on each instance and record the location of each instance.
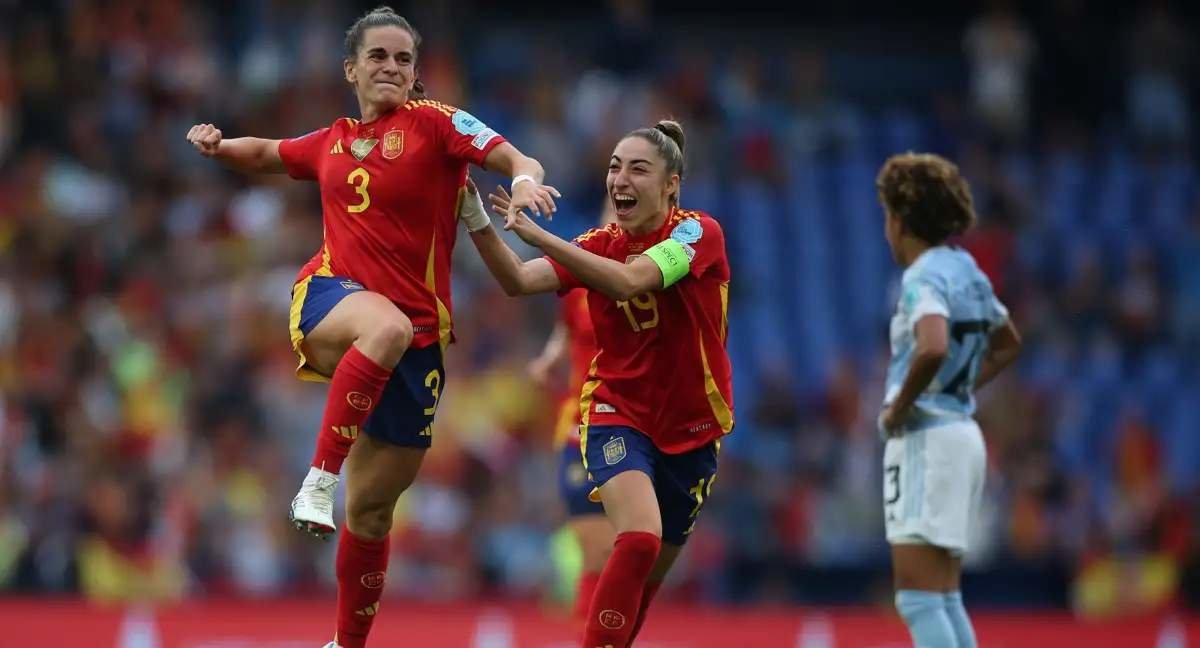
(614, 451)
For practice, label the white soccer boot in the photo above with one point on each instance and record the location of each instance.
(331, 644)
(312, 508)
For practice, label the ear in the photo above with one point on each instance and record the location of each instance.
(673, 183)
(348, 69)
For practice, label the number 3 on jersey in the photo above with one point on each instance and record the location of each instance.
(360, 179)
(644, 303)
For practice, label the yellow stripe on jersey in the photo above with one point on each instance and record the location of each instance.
(724, 310)
(431, 103)
(612, 229)
(585, 408)
(326, 269)
(444, 323)
(716, 401)
(299, 294)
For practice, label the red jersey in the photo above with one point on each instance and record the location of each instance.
(662, 367)
(389, 201)
(581, 344)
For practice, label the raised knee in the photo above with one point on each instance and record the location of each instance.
(389, 336)
(371, 520)
(396, 332)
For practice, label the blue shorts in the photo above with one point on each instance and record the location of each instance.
(404, 414)
(573, 484)
(682, 482)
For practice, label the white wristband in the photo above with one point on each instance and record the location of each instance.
(472, 213)
(519, 179)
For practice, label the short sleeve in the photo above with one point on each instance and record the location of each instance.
(925, 295)
(592, 241)
(463, 136)
(704, 242)
(300, 155)
(999, 313)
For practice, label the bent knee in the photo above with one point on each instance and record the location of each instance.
(386, 336)
(370, 519)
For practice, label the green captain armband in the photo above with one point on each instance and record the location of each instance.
(672, 259)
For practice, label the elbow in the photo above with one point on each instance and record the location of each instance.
(512, 289)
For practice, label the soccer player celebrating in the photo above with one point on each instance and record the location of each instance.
(371, 311)
(949, 336)
(658, 397)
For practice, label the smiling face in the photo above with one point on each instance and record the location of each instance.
(383, 70)
(640, 185)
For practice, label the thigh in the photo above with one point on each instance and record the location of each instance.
(923, 567)
(621, 462)
(328, 314)
(405, 413)
(684, 483)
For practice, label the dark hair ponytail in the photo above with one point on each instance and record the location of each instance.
(667, 137)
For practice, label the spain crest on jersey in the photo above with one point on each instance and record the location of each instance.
(393, 144)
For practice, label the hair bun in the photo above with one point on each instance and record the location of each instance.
(673, 130)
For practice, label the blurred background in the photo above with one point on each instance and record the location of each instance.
(152, 432)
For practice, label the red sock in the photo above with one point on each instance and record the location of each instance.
(355, 390)
(583, 595)
(361, 569)
(647, 596)
(618, 594)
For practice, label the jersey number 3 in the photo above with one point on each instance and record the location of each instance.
(360, 179)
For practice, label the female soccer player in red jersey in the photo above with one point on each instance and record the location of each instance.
(371, 310)
(658, 397)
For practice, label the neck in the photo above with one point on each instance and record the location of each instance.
(651, 224)
(370, 112)
(911, 248)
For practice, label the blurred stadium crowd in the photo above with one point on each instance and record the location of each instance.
(152, 432)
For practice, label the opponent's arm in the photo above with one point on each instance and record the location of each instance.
(932, 344)
(1004, 345)
(245, 154)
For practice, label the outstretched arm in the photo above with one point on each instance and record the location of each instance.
(245, 154)
(515, 275)
(616, 280)
(527, 174)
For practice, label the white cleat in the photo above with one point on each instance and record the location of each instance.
(331, 645)
(312, 508)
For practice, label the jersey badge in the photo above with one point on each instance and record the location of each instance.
(393, 144)
(361, 147)
(688, 231)
(465, 123)
(614, 451)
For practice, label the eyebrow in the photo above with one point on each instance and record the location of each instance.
(618, 159)
(383, 50)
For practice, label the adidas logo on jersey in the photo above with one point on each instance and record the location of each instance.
(337, 148)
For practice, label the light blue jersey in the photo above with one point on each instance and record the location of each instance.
(944, 281)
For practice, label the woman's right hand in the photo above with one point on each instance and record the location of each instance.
(206, 138)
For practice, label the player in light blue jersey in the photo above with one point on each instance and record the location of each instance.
(949, 336)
